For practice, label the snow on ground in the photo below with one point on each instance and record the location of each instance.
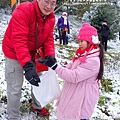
(112, 71)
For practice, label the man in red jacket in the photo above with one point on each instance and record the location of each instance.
(19, 46)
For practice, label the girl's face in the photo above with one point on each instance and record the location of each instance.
(83, 44)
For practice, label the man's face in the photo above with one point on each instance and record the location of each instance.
(46, 6)
(104, 23)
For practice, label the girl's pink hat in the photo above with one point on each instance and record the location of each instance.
(88, 33)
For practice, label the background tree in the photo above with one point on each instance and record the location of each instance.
(80, 9)
(4, 3)
(107, 12)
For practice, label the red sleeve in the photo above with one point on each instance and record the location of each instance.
(20, 30)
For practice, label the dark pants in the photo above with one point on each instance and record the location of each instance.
(119, 35)
(62, 36)
(67, 39)
(104, 42)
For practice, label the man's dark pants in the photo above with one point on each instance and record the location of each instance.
(104, 42)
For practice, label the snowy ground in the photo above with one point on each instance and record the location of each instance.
(112, 71)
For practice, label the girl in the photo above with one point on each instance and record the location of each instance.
(81, 77)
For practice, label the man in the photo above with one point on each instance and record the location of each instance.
(19, 46)
(104, 30)
(63, 28)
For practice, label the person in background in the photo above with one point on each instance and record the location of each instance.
(63, 28)
(82, 77)
(19, 48)
(104, 30)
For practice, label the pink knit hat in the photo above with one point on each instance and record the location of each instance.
(88, 33)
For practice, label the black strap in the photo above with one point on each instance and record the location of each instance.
(36, 35)
(36, 30)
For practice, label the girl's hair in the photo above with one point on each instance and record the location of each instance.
(101, 56)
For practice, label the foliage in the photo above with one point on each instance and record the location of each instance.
(105, 111)
(81, 9)
(59, 5)
(25, 0)
(106, 85)
(60, 2)
(101, 101)
(70, 52)
(107, 12)
(25, 106)
(4, 3)
(104, 100)
(3, 97)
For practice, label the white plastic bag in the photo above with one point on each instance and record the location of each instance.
(48, 89)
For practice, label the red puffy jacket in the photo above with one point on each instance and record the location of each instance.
(19, 39)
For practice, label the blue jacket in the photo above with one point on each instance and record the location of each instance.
(60, 24)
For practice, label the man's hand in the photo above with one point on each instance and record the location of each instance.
(49, 61)
(31, 74)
